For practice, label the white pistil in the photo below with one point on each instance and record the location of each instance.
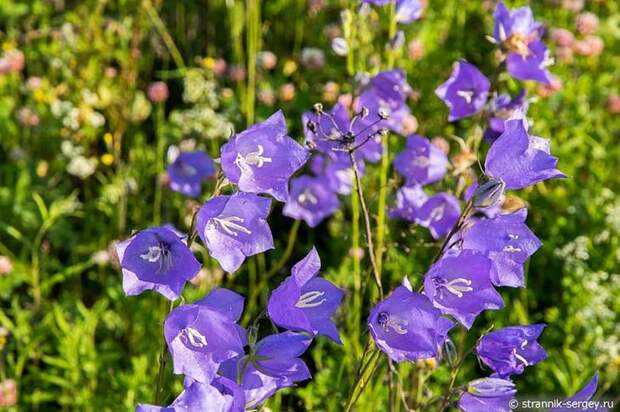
(307, 196)
(513, 237)
(231, 225)
(421, 161)
(458, 286)
(188, 170)
(467, 95)
(399, 325)
(437, 213)
(521, 358)
(310, 299)
(253, 158)
(195, 338)
(153, 255)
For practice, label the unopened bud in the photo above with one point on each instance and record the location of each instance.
(450, 351)
(488, 194)
(491, 387)
(311, 126)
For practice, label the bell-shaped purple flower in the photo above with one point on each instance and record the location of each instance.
(488, 394)
(199, 397)
(531, 66)
(311, 200)
(274, 365)
(439, 214)
(202, 335)
(262, 158)
(585, 394)
(465, 92)
(188, 171)
(460, 285)
(519, 159)
(233, 227)
(421, 162)
(156, 259)
(509, 350)
(507, 241)
(406, 326)
(306, 302)
(409, 200)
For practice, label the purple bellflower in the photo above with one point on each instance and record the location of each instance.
(488, 394)
(202, 335)
(156, 259)
(507, 241)
(439, 214)
(460, 285)
(233, 227)
(197, 397)
(407, 11)
(188, 171)
(421, 162)
(262, 158)
(306, 302)
(274, 364)
(409, 200)
(519, 159)
(585, 394)
(406, 326)
(465, 92)
(519, 36)
(312, 200)
(509, 350)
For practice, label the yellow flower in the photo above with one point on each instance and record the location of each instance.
(289, 68)
(108, 139)
(208, 63)
(107, 159)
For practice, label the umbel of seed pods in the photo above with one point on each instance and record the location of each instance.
(346, 141)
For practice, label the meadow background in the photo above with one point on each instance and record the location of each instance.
(83, 139)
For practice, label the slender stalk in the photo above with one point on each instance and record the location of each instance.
(165, 35)
(159, 162)
(355, 237)
(364, 376)
(252, 40)
(369, 243)
(162, 363)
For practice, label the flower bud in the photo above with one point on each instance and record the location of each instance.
(450, 352)
(491, 387)
(488, 194)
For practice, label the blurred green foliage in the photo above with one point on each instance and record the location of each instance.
(81, 163)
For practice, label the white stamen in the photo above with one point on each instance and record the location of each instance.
(310, 299)
(399, 325)
(513, 237)
(421, 161)
(307, 196)
(458, 286)
(253, 159)
(188, 170)
(231, 225)
(153, 255)
(502, 32)
(194, 337)
(467, 95)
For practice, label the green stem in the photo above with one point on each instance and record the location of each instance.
(253, 43)
(162, 363)
(165, 35)
(159, 161)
